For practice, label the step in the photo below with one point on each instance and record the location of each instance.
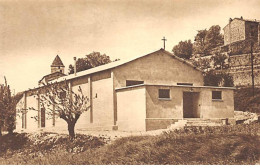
(197, 122)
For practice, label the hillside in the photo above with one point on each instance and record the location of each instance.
(193, 145)
(244, 100)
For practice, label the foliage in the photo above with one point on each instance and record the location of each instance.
(199, 42)
(225, 145)
(7, 108)
(220, 61)
(59, 99)
(213, 78)
(244, 101)
(213, 38)
(91, 60)
(203, 64)
(206, 40)
(183, 49)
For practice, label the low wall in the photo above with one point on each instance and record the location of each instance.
(158, 123)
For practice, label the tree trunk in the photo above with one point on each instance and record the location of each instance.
(0, 131)
(10, 131)
(71, 127)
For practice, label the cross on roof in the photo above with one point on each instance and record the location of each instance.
(164, 39)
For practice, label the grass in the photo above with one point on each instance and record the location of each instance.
(192, 145)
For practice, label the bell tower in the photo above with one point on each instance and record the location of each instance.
(57, 65)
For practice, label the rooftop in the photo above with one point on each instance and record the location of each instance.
(119, 63)
(57, 62)
(185, 86)
(116, 64)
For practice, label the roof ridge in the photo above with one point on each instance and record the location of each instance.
(122, 62)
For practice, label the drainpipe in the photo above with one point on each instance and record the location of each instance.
(75, 68)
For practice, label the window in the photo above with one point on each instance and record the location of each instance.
(216, 95)
(23, 120)
(188, 84)
(42, 117)
(133, 82)
(164, 93)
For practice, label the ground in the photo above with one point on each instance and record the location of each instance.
(237, 144)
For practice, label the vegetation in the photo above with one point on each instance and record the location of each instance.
(91, 60)
(37, 146)
(203, 64)
(237, 144)
(244, 101)
(213, 78)
(7, 108)
(220, 61)
(206, 40)
(183, 49)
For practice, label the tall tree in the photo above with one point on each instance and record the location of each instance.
(68, 104)
(213, 38)
(206, 40)
(91, 60)
(183, 49)
(199, 42)
(7, 108)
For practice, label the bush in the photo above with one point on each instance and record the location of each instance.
(244, 100)
(212, 78)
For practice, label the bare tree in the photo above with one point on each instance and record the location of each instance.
(58, 99)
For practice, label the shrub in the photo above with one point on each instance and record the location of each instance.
(213, 78)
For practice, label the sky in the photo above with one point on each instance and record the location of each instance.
(33, 32)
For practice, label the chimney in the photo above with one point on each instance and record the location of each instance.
(75, 65)
(230, 20)
(241, 17)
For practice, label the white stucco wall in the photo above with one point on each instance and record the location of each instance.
(32, 123)
(84, 120)
(157, 68)
(102, 99)
(19, 107)
(131, 109)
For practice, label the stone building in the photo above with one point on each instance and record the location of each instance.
(140, 94)
(239, 29)
(239, 35)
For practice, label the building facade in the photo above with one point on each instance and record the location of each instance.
(140, 94)
(239, 29)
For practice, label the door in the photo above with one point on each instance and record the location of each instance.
(191, 105)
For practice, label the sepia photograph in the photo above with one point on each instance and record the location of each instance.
(129, 82)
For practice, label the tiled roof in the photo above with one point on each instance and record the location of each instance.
(57, 62)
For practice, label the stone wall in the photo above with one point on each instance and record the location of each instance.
(239, 66)
(242, 47)
(240, 69)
